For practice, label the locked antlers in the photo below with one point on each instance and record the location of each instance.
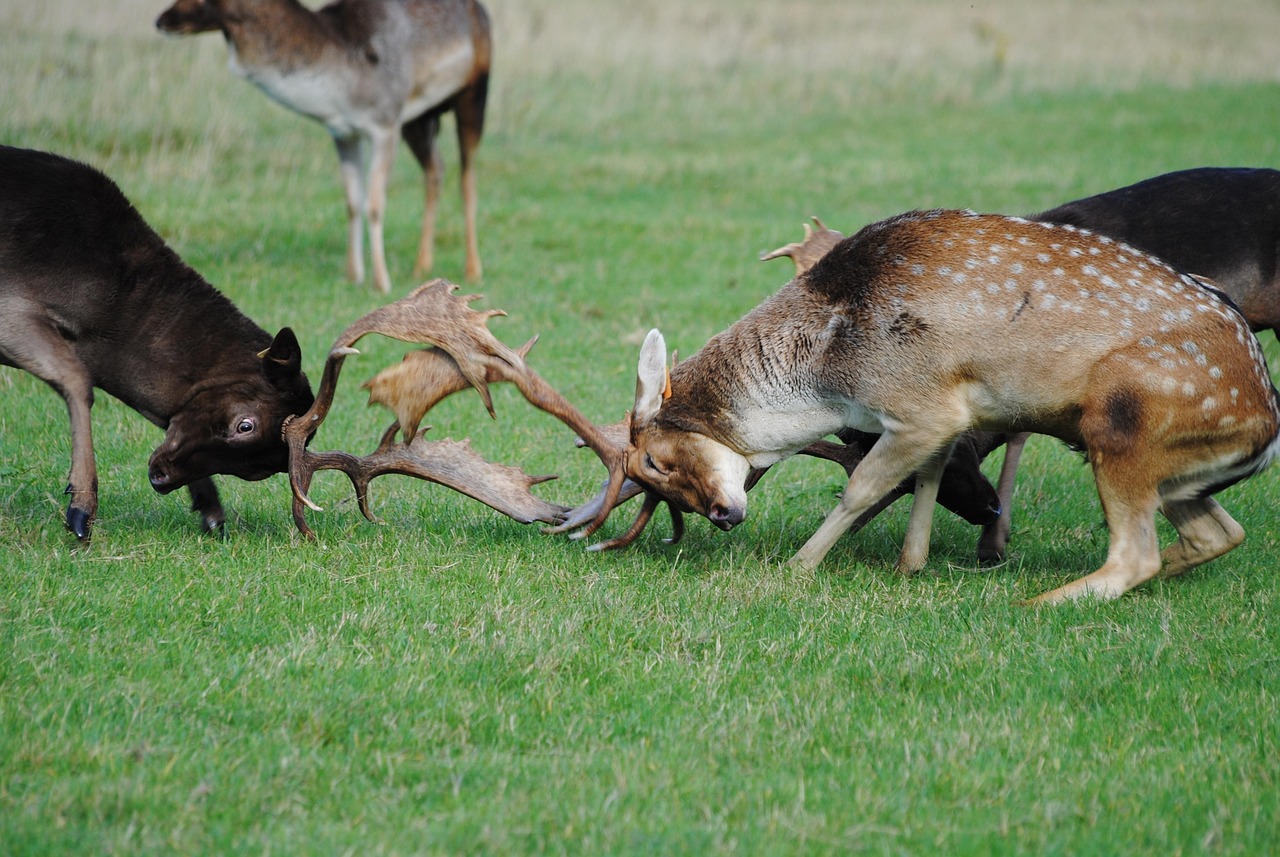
(466, 355)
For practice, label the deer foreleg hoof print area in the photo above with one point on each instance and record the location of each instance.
(927, 326)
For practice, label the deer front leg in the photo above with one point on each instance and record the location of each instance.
(32, 344)
(915, 547)
(82, 484)
(350, 158)
(994, 540)
(893, 458)
(204, 500)
(382, 155)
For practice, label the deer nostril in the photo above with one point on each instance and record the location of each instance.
(726, 517)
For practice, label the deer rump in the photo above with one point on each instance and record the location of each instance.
(933, 323)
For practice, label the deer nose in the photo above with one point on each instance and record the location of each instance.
(726, 517)
(160, 479)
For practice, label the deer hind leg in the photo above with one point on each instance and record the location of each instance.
(351, 161)
(1129, 502)
(994, 540)
(33, 345)
(420, 135)
(894, 457)
(1205, 532)
(469, 110)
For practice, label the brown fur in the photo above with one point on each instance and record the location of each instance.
(368, 70)
(1152, 374)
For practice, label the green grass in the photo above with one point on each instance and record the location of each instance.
(452, 682)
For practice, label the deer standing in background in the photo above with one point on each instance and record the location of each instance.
(929, 324)
(366, 69)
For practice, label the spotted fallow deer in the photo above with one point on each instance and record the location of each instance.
(929, 324)
(367, 70)
(1220, 223)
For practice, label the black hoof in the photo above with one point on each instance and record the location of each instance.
(78, 522)
(214, 524)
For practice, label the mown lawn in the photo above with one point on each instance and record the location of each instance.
(453, 682)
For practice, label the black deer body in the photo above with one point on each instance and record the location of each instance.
(91, 296)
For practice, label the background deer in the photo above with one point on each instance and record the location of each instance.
(1222, 224)
(929, 324)
(90, 297)
(366, 69)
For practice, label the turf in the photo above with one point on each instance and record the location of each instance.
(449, 681)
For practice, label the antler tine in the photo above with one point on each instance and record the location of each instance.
(805, 254)
(432, 314)
(297, 430)
(651, 502)
(422, 380)
(612, 454)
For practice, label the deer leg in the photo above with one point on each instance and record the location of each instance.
(1133, 557)
(382, 155)
(1205, 532)
(204, 499)
(32, 344)
(420, 134)
(915, 547)
(469, 110)
(351, 161)
(893, 458)
(995, 536)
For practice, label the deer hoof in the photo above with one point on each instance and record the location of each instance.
(78, 522)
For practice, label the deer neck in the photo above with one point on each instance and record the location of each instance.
(758, 387)
(196, 340)
(267, 41)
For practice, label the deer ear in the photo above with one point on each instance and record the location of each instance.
(283, 360)
(651, 379)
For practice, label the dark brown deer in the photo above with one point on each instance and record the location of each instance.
(90, 296)
(929, 324)
(367, 70)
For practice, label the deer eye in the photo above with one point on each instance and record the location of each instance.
(650, 465)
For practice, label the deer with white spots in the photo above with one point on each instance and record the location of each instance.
(369, 71)
(929, 324)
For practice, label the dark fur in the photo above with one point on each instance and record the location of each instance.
(92, 297)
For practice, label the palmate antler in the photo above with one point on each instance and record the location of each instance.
(433, 315)
(806, 253)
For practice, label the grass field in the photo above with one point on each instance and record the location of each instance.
(451, 682)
